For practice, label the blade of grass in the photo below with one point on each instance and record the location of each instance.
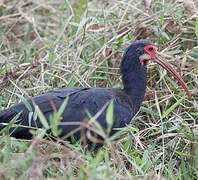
(25, 102)
(146, 110)
(109, 116)
(172, 108)
(41, 117)
(157, 105)
(63, 106)
(196, 27)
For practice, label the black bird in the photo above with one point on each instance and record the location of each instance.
(126, 101)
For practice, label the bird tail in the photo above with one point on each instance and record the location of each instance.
(6, 116)
(8, 120)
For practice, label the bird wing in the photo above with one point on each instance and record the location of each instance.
(81, 100)
(44, 103)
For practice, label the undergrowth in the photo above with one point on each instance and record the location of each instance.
(48, 45)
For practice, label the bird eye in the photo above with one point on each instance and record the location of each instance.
(150, 48)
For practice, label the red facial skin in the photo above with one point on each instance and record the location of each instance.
(153, 53)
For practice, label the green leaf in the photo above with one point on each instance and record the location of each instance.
(119, 133)
(154, 133)
(54, 118)
(138, 160)
(81, 9)
(41, 133)
(135, 166)
(196, 27)
(25, 102)
(164, 34)
(172, 107)
(183, 154)
(63, 106)
(173, 83)
(196, 156)
(152, 147)
(109, 116)
(10, 124)
(98, 126)
(41, 117)
(162, 19)
(186, 134)
(146, 110)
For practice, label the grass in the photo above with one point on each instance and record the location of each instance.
(47, 45)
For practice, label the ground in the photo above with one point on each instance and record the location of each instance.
(47, 45)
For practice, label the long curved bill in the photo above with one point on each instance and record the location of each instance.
(173, 72)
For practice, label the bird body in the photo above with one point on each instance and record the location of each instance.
(126, 102)
(80, 100)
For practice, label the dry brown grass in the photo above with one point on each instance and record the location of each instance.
(48, 45)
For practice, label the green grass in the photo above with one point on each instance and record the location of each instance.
(47, 45)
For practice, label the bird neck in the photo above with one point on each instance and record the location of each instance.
(135, 81)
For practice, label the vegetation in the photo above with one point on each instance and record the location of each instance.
(47, 45)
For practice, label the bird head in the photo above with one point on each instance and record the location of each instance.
(144, 51)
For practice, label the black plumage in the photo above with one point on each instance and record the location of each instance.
(126, 101)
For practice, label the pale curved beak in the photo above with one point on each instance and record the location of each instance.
(173, 72)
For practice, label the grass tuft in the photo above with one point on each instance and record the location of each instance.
(48, 45)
